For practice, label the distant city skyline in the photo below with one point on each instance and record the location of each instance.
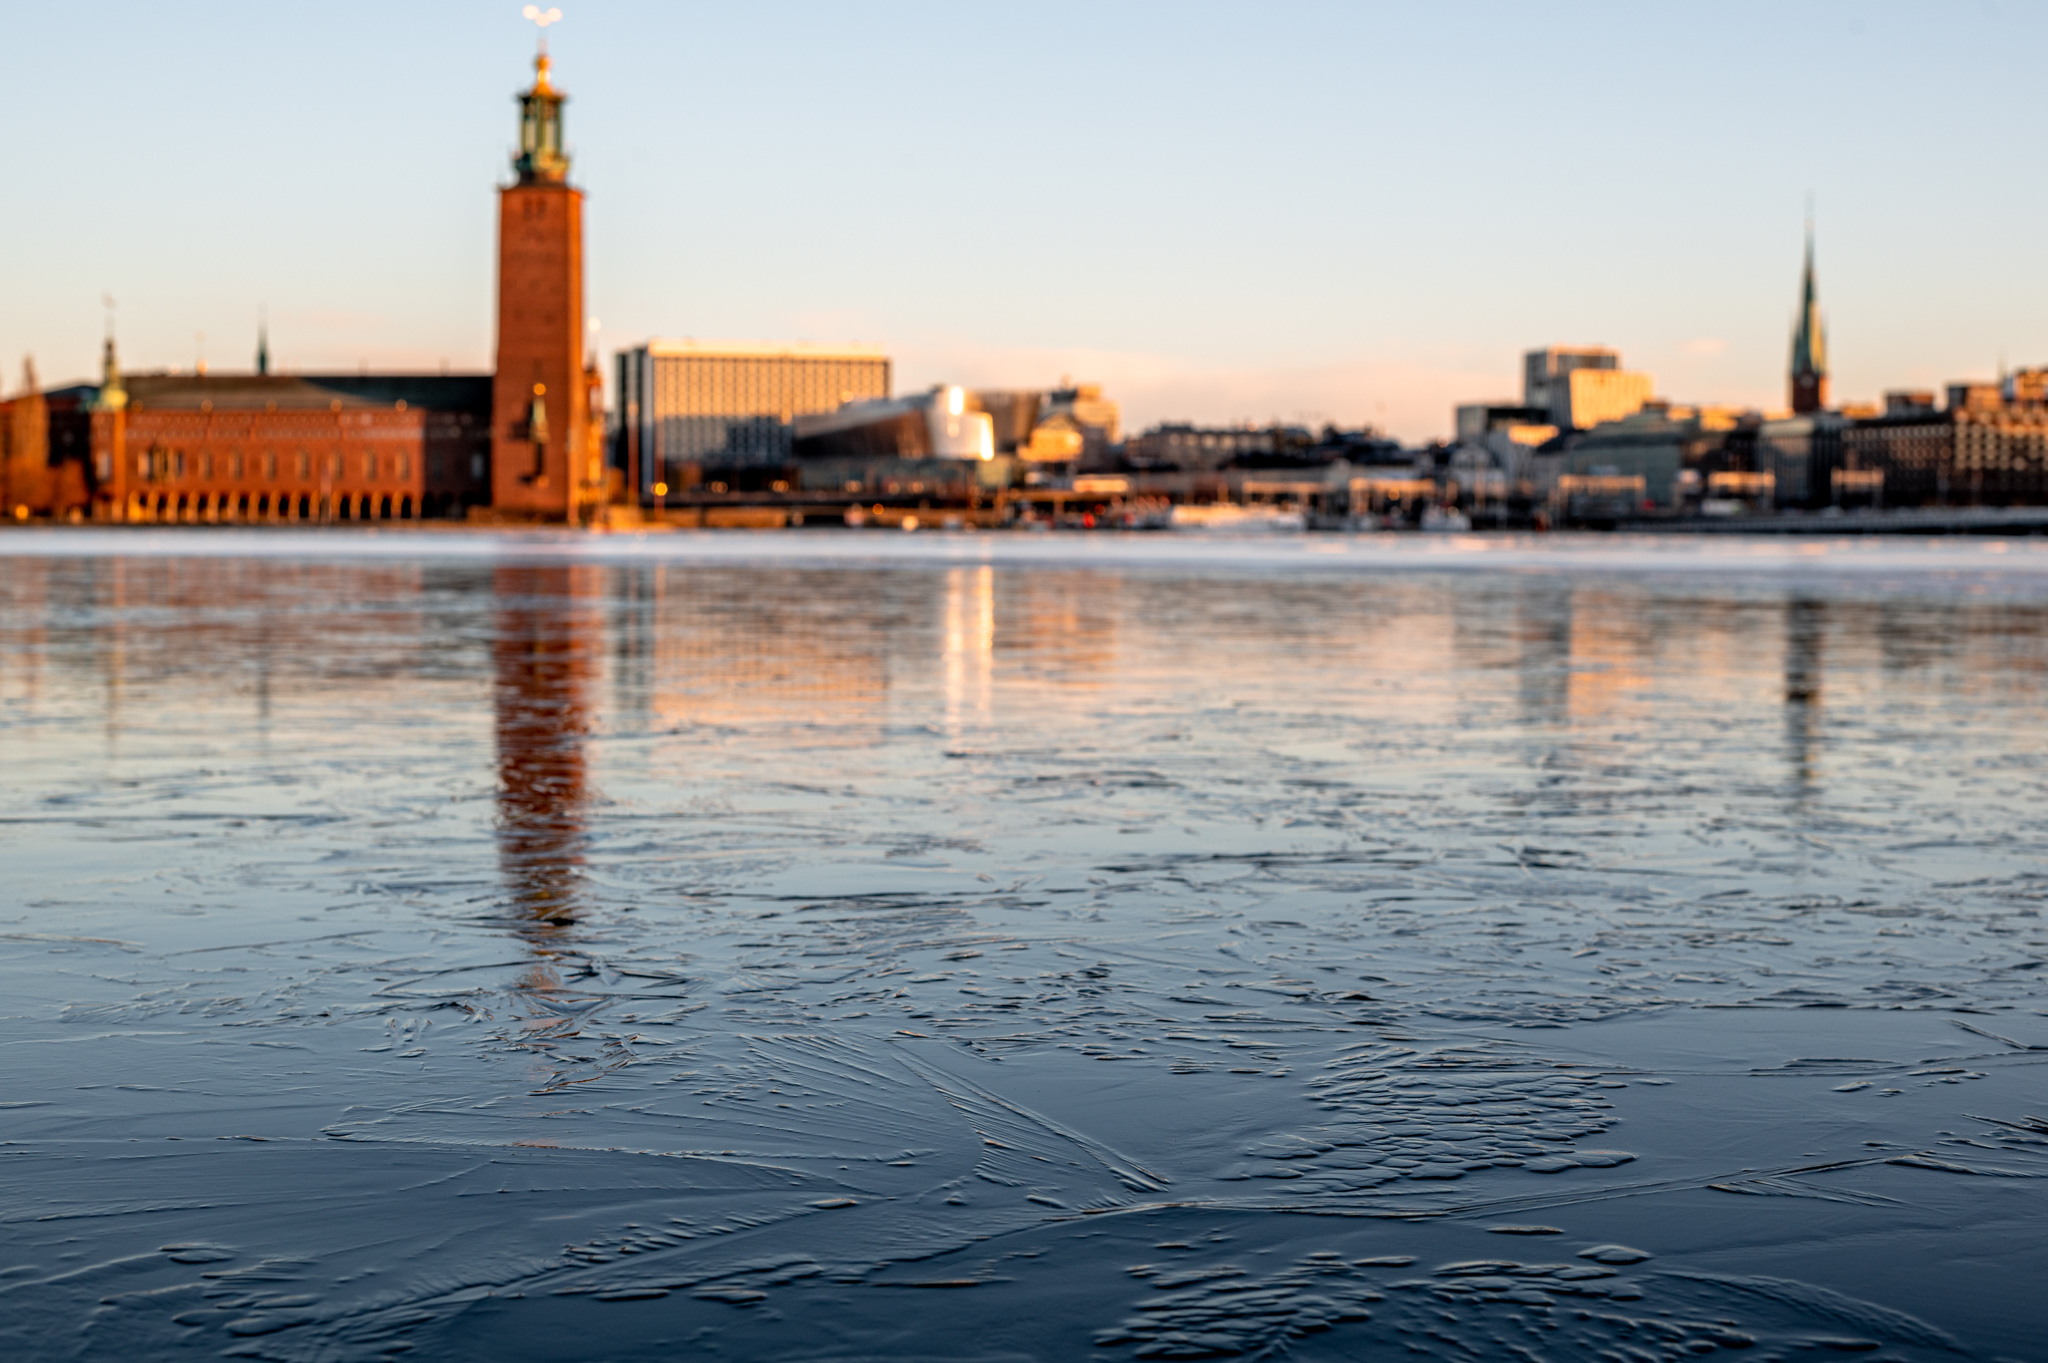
(1340, 213)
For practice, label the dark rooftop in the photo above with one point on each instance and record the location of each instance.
(309, 392)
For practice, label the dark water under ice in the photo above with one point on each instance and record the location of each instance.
(924, 953)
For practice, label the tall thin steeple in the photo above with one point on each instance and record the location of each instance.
(263, 341)
(1809, 377)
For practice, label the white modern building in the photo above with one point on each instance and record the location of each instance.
(943, 423)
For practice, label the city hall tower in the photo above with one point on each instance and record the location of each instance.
(540, 405)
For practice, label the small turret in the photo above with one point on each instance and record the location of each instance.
(113, 397)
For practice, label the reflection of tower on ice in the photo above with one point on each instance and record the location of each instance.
(544, 656)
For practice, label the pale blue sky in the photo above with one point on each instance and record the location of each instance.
(1359, 212)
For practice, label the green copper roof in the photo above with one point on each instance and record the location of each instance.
(543, 157)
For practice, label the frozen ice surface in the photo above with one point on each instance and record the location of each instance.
(867, 946)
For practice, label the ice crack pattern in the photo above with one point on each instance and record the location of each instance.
(479, 959)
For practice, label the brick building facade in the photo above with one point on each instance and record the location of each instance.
(261, 447)
(1987, 447)
(42, 451)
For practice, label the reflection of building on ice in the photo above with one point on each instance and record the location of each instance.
(544, 657)
(970, 646)
(790, 650)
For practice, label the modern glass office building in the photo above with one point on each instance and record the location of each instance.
(730, 404)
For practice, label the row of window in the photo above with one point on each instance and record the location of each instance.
(163, 464)
(219, 428)
(748, 386)
(2010, 452)
(1230, 440)
(717, 439)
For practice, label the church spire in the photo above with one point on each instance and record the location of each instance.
(1809, 344)
(263, 341)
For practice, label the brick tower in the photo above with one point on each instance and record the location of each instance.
(539, 406)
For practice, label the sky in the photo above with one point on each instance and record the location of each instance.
(1358, 213)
